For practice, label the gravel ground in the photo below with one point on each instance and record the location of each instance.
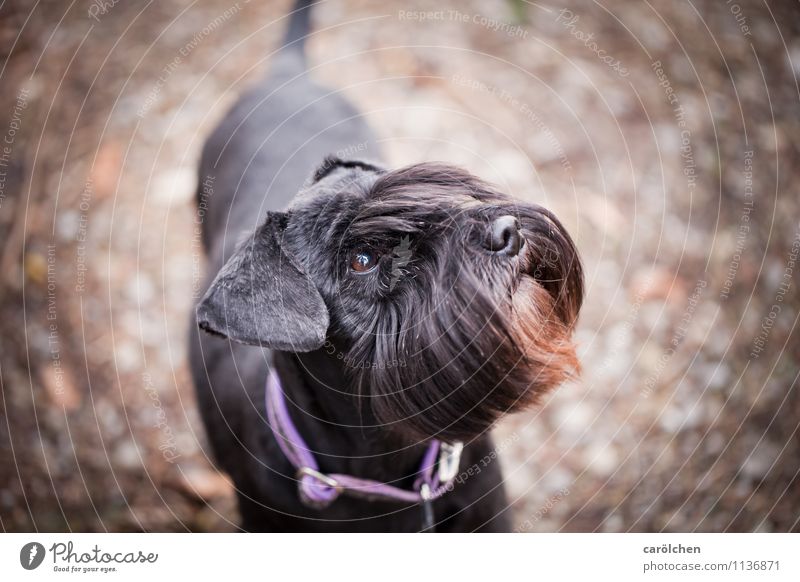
(665, 135)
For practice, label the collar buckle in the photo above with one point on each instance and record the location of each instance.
(321, 477)
(449, 460)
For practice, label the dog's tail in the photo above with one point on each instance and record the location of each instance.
(299, 28)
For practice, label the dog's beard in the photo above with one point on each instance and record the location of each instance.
(445, 335)
(450, 364)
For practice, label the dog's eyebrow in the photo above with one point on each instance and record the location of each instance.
(330, 163)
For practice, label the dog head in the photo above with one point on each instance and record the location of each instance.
(448, 303)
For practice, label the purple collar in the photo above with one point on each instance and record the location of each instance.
(320, 490)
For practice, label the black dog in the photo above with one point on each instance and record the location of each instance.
(396, 307)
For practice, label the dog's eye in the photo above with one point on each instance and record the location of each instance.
(363, 261)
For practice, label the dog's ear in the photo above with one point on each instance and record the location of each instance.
(261, 297)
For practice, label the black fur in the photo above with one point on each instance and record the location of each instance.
(440, 339)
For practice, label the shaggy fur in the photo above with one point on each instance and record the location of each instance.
(486, 333)
(447, 332)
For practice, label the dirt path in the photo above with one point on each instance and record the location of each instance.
(666, 136)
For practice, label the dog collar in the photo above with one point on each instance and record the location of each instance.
(319, 490)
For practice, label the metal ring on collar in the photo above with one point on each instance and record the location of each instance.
(321, 477)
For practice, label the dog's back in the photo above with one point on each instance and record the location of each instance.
(254, 162)
(490, 276)
(259, 155)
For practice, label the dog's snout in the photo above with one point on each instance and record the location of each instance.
(503, 236)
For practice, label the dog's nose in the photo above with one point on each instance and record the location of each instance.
(503, 236)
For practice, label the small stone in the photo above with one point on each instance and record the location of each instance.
(127, 455)
(60, 386)
(105, 172)
(36, 267)
(175, 187)
(760, 460)
(201, 483)
(602, 458)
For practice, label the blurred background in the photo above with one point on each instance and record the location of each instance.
(666, 135)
